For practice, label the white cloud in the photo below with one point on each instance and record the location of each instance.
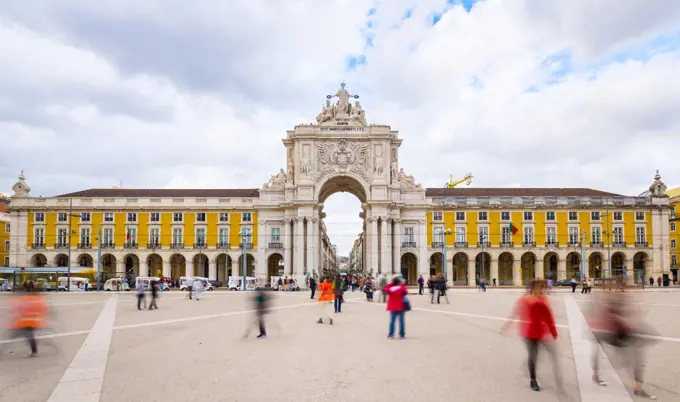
(172, 94)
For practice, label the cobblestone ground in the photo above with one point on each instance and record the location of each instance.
(193, 350)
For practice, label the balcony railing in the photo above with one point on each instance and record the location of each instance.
(619, 244)
(641, 244)
(153, 244)
(507, 244)
(177, 245)
(107, 245)
(37, 246)
(200, 244)
(574, 244)
(596, 244)
(276, 245)
(552, 244)
(85, 246)
(130, 244)
(408, 244)
(61, 245)
(223, 245)
(437, 244)
(248, 246)
(460, 244)
(529, 244)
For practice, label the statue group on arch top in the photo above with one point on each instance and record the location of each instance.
(342, 110)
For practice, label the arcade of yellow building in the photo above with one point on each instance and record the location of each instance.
(510, 234)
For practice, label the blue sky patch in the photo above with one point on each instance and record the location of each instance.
(354, 61)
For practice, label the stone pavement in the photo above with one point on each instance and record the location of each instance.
(102, 348)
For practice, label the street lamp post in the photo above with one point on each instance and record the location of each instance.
(243, 256)
(447, 232)
(99, 255)
(482, 238)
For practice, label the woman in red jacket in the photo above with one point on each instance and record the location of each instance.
(536, 324)
(396, 293)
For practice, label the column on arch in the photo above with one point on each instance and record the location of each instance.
(448, 264)
(423, 260)
(516, 270)
(493, 266)
(309, 221)
(538, 269)
(373, 254)
(561, 268)
(472, 264)
(144, 268)
(212, 269)
(120, 267)
(287, 247)
(299, 239)
(167, 269)
(396, 245)
(384, 250)
(235, 267)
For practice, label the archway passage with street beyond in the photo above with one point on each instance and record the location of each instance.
(108, 266)
(409, 268)
(528, 267)
(618, 263)
(224, 268)
(482, 266)
(201, 265)
(177, 266)
(154, 264)
(640, 261)
(436, 263)
(573, 265)
(274, 266)
(61, 260)
(460, 269)
(38, 261)
(341, 213)
(250, 265)
(595, 265)
(85, 261)
(131, 262)
(550, 266)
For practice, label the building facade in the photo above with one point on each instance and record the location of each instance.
(5, 228)
(510, 234)
(674, 229)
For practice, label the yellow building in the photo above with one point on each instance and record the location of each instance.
(674, 228)
(4, 232)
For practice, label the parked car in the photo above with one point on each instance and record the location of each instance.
(563, 282)
(215, 283)
(5, 286)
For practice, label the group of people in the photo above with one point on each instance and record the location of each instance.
(154, 289)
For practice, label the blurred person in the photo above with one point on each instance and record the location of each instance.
(368, 289)
(441, 288)
(494, 282)
(286, 283)
(28, 315)
(658, 280)
(154, 295)
(482, 284)
(536, 324)
(651, 281)
(261, 306)
(549, 284)
(382, 282)
(338, 293)
(190, 287)
(421, 284)
(291, 284)
(198, 288)
(312, 285)
(614, 322)
(431, 286)
(325, 299)
(397, 304)
(573, 284)
(140, 294)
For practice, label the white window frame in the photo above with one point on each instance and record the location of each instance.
(62, 237)
(64, 215)
(551, 238)
(461, 214)
(39, 233)
(87, 238)
(409, 236)
(569, 216)
(618, 216)
(672, 226)
(40, 215)
(198, 237)
(156, 214)
(674, 260)
(460, 234)
(483, 235)
(109, 217)
(574, 238)
(548, 218)
(223, 236)
(483, 218)
(107, 237)
(506, 219)
(224, 217)
(246, 214)
(176, 215)
(639, 239)
(248, 234)
(131, 232)
(203, 215)
(155, 236)
(595, 216)
(85, 214)
(672, 211)
(637, 216)
(596, 234)
(131, 215)
(438, 236)
(7, 245)
(617, 233)
(177, 235)
(528, 216)
(528, 234)
(7, 261)
(7, 228)
(276, 234)
(506, 236)
(673, 243)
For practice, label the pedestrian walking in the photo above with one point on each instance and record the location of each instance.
(154, 295)
(494, 282)
(260, 306)
(651, 281)
(28, 315)
(325, 299)
(190, 286)
(280, 285)
(536, 324)
(368, 289)
(198, 288)
(482, 284)
(397, 305)
(312, 285)
(658, 280)
(573, 284)
(381, 284)
(431, 285)
(140, 294)
(421, 284)
(441, 288)
(338, 293)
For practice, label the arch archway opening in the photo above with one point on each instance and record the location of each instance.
(505, 262)
(274, 266)
(436, 263)
(459, 271)
(574, 266)
(85, 261)
(154, 264)
(131, 262)
(342, 199)
(528, 267)
(108, 266)
(250, 265)
(640, 260)
(224, 267)
(61, 260)
(177, 266)
(482, 266)
(550, 266)
(39, 261)
(201, 265)
(409, 268)
(595, 265)
(618, 264)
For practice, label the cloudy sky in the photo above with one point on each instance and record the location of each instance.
(169, 93)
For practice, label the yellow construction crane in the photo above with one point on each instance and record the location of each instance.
(452, 184)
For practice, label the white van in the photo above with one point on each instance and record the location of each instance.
(236, 283)
(77, 283)
(116, 284)
(5, 286)
(146, 280)
(185, 281)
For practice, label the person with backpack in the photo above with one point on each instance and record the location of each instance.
(421, 284)
(397, 305)
(338, 293)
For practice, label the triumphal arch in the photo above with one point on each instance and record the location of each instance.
(343, 153)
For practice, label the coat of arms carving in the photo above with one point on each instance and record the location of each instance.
(342, 156)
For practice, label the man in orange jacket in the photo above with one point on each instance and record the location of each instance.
(29, 313)
(325, 298)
